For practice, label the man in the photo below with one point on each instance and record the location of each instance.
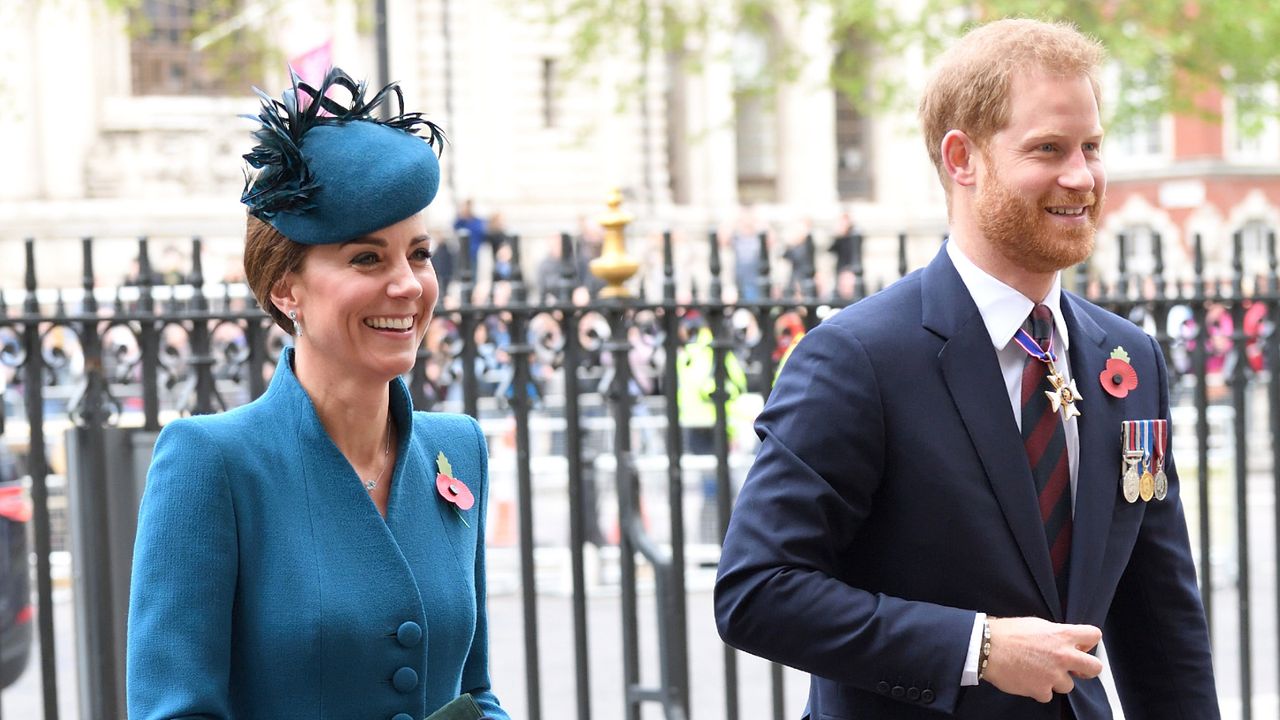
(475, 227)
(899, 536)
(696, 397)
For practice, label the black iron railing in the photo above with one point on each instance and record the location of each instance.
(135, 356)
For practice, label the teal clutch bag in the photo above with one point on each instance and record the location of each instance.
(460, 708)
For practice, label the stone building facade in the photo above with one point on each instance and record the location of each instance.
(105, 137)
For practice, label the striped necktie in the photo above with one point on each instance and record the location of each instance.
(1046, 444)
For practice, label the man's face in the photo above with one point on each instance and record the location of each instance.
(1041, 184)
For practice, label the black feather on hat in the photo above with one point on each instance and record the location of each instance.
(285, 181)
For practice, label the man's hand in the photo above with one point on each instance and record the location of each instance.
(1036, 658)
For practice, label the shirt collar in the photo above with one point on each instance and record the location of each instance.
(1004, 309)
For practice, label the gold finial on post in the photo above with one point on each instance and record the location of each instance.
(614, 265)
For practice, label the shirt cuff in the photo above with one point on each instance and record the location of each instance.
(970, 675)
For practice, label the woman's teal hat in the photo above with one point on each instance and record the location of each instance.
(329, 172)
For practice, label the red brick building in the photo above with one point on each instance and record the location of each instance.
(1214, 174)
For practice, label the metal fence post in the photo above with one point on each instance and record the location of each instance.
(569, 325)
(678, 617)
(38, 467)
(1238, 402)
(716, 319)
(101, 678)
(1199, 364)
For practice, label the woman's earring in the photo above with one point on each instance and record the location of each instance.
(297, 326)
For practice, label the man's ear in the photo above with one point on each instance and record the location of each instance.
(283, 293)
(960, 158)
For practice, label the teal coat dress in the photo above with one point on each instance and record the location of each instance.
(266, 584)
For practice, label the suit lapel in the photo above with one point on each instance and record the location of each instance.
(416, 515)
(424, 525)
(1098, 466)
(971, 371)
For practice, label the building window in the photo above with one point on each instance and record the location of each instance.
(853, 137)
(1142, 137)
(1138, 136)
(1253, 131)
(1255, 257)
(549, 92)
(755, 119)
(677, 109)
(183, 48)
(853, 151)
(1140, 250)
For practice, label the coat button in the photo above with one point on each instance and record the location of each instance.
(898, 691)
(926, 696)
(409, 634)
(913, 694)
(404, 680)
(402, 716)
(883, 687)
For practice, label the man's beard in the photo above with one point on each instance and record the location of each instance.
(1025, 234)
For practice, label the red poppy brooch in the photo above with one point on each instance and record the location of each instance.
(452, 489)
(1119, 376)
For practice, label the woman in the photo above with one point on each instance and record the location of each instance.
(319, 552)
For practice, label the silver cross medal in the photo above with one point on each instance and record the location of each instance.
(1064, 394)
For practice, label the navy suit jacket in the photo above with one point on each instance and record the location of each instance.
(892, 499)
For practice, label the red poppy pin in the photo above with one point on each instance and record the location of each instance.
(1119, 377)
(452, 489)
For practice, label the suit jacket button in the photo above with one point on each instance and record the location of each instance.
(409, 634)
(402, 716)
(913, 694)
(405, 679)
(926, 696)
(899, 691)
(883, 687)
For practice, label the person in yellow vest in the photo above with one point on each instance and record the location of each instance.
(696, 398)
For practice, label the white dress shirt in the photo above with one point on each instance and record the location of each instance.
(1003, 311)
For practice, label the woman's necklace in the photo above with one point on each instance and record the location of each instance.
(386, 452)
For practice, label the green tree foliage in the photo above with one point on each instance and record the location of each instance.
(1166, 51)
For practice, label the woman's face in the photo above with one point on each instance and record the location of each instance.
(365, 304)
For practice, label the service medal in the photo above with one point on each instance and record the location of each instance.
(1130, 483)
(1129, 479)
(1161, 430)
(1065, 396)
(1147, 485)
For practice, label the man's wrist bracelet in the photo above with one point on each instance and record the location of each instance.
(984, 650)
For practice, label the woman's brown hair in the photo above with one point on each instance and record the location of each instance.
(268, 256)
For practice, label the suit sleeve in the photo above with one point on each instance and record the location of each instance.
(475, 671)
(1156, 636)
(184, 580)
(782, 591)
